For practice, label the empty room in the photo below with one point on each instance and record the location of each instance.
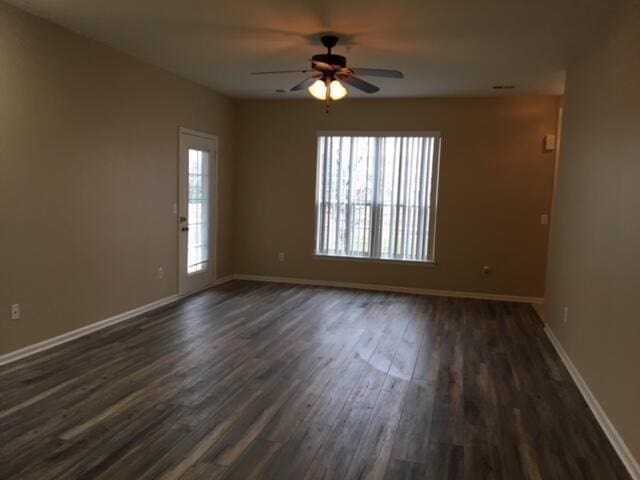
(319, 240)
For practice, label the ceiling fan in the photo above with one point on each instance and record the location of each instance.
(329, 70)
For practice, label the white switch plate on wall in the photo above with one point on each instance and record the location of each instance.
(549, 143)
(15, 311)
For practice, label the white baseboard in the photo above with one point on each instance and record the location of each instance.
(541, 310)
(215, 283)
(609, 429)
(390, 288)
(222, 280)
(72, 335)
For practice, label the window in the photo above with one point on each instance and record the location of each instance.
(198, 213)
(376, 195)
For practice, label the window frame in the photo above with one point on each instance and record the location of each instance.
(435, 172)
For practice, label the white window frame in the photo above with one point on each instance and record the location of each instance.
(431, 234)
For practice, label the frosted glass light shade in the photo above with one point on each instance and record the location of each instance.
(336, 90)
(318, 90)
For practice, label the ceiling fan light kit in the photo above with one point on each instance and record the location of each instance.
(335, 90)
(330, 71)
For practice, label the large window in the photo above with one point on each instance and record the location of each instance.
(376, 195)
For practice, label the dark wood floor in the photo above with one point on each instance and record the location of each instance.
(265, 381)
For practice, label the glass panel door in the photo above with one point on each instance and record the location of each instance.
(196, 212)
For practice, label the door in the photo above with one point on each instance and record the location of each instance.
(196, 208)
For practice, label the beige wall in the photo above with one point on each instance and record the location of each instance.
(495, 182)
(594, 266)
(88, 178)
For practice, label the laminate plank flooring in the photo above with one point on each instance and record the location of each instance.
(262, 381)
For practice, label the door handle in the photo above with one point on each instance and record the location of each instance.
(184, 229)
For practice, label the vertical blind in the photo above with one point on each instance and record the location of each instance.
(375, 196)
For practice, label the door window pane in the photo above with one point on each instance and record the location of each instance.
(198, 211)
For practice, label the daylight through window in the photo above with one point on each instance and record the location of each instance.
(376, 195)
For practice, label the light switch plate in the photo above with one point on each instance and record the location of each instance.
(549, 143)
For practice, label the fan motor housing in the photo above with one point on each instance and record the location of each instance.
(331, 59)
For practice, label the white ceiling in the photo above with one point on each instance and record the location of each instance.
(444, 47)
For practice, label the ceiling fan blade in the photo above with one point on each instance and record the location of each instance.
(307, 82)
(377, 72)
(359, 84)
(282, 71)
(322, 66)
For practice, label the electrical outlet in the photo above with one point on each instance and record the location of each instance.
(160, 273)
(15, 311)
(281, 257)
(565, 317)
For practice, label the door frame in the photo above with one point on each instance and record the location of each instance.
(213, 209)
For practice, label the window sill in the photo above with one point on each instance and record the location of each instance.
(388, 261)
